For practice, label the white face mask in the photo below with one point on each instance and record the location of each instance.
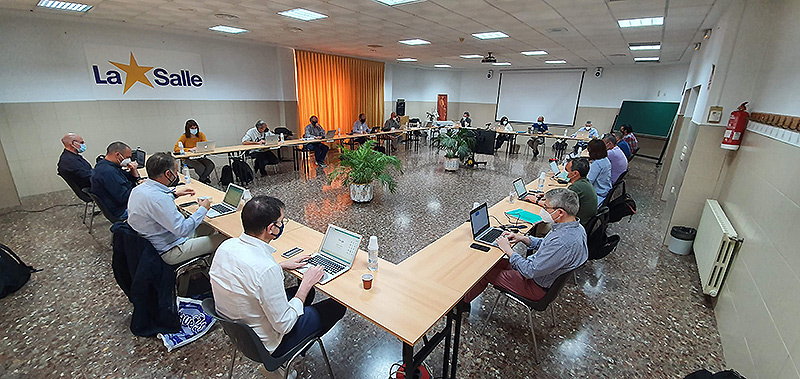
(546, 216)
(193, 131)
(125, 162)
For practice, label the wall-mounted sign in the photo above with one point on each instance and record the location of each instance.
(126, 73)
(714, 114)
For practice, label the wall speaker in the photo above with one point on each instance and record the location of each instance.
(489, 74)
(400, 107)
(598, 72)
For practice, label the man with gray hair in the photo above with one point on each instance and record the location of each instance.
(113, 179)
(257, 136)
(560, 251)
(619, 162)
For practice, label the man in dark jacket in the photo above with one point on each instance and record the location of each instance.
(113, 179)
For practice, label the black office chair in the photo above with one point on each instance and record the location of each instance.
(108, 215)
(621, 177)
(617, 190)
(598, 243)
(84, 196)
(245, 339)
(530, 305)
(633, 154)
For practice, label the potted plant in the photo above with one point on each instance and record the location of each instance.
(359, 168)
(457, 144)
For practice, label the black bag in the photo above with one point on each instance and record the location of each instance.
(705, 374)
(621, 207)
(227, 176)
(13, 272)
(242, 170)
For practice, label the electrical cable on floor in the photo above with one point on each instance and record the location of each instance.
(39, 210)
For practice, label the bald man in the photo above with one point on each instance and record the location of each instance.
(71, 165)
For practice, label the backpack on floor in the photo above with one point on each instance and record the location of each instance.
(621, 207)
(227, 176)
(242, 171)
(13, 272)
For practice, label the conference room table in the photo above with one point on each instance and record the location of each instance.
(407, 299)
(512, 140)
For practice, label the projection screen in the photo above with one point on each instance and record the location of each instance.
(525, 95)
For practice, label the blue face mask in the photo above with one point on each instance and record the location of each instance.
(276, 236)
(81, 148)
(193, 131)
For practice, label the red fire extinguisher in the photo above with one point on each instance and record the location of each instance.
(736, 125)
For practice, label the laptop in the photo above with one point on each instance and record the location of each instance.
(481, 231)
(229, 204)
(557, 173)
(330, 134)
(522, 192)
(336, 253)
(271, 140)
(206, 147)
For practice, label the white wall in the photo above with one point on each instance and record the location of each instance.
(43, 59)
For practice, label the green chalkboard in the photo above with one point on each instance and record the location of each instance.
(651, 118)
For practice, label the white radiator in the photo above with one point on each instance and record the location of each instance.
(714, 246)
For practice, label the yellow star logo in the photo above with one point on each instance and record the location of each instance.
(133, 73)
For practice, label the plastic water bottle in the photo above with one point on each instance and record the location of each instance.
(186, 177)
(339, 131)
(372, 249)
(511, 196)
(281, 138)
(565, 132)
(541, 181)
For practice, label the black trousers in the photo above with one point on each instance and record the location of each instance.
(317, 319)
(262, 159)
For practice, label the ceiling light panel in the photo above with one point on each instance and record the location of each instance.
(646, 59)
(64, 6)
(534, 52)
(501, 64)
(557, 61)
(471, 56)
(415, 42)
(228, 29)
(644, 46)
(640, 22)
(442, 66)
(407, 59)
(490, 35)
(302, 14)
(392, 3)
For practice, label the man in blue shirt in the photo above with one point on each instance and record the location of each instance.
(562, 250)
(71, 165)
(623, 145)
(538, 127)
(153, 214)
(113, 179)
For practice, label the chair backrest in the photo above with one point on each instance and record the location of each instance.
(596, 231)
(102, 206)
(77, 190)
(247, 341)
(621, 176)
(617, 190)
(552, 293)
(286, 132)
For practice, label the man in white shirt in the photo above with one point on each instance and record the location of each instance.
(247, 283)
(256, 136)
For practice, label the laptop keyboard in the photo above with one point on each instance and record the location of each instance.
(492, 235)
(330, 266)
(220, 208)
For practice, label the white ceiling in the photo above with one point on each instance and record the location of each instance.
(592, 35)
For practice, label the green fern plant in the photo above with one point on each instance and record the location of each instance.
(457, 143)
(364, 165)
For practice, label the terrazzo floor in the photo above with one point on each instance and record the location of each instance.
(638, 313)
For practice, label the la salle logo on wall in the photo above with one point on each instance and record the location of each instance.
(135, 73)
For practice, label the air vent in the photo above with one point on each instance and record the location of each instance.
(226, 16)
(618, 54)
(375, 46)
(557, 30)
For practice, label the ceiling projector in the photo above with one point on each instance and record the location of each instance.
(489, 58)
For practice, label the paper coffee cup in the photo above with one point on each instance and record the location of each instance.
(366, 279)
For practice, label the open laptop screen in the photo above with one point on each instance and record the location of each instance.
(554, 168)
(233, 195)
(340, 244)
(479, 219)
(519, 186)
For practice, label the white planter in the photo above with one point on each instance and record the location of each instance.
(451, 164)
(361, 193)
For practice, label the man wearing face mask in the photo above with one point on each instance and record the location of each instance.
(577, 169)
(560, 251)
(113, 179)
(248, 284)
(314, 130)
(153, 214)
(71, 165)
(538, 127)
(360, 127)
(393, 123)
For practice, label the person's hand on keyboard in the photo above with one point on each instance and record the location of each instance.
(295, 262)
(313, 275)
(503, 244)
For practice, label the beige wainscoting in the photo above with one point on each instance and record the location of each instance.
(31, 132)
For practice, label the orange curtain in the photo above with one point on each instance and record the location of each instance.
(336, 89)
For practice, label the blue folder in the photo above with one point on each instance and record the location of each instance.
(523, 215)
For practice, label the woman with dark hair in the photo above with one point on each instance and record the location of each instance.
(599, 169)
(190, 138)
(505, 126)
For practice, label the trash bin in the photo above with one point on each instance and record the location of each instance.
(682, 238)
